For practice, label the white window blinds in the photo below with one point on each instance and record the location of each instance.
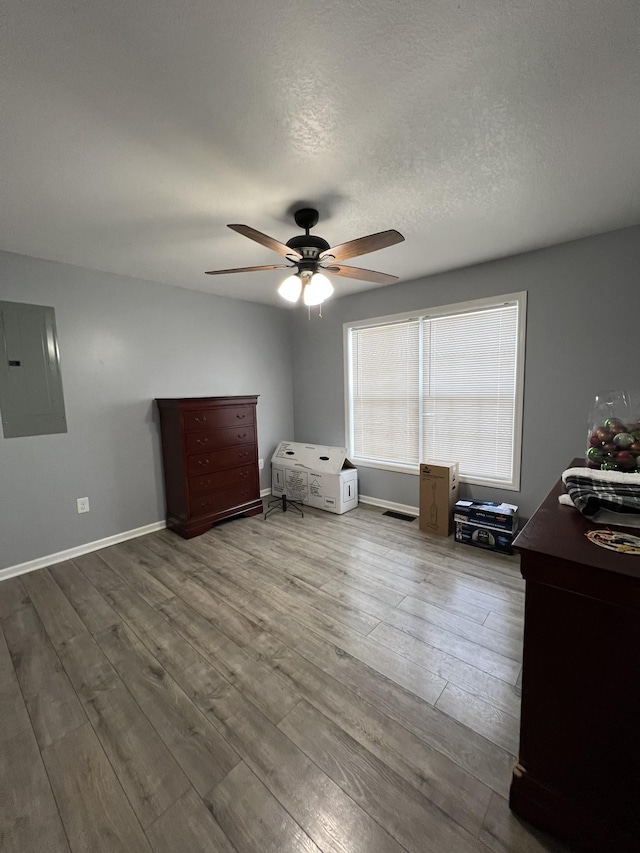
(469, 391)
(385, 382)
(445, 386)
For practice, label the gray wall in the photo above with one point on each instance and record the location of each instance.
(583, 332)
(124, 342)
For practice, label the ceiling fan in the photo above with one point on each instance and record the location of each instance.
(311, 256)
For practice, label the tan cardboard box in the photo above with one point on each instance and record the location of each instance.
(438, 494)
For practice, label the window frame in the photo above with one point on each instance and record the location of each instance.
(519, 299)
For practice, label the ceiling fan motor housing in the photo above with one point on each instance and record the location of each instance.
(308, 245)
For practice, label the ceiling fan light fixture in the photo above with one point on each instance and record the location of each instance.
(317, 289)
(309, 253)
(291, 288)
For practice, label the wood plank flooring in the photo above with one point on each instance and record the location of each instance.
(327, 684)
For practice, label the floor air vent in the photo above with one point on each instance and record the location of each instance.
(399, 515)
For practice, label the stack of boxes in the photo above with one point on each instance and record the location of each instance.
(483, 524)
(486, 524)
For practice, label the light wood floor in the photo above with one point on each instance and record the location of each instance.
(332, 683)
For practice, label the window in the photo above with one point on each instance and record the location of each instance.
(443, 384)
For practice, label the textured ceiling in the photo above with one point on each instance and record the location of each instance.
(132, 132)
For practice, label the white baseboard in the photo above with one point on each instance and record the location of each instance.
(265, 492)
(404, 508)
(61, 556)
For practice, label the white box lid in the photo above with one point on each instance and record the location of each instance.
(311, 457)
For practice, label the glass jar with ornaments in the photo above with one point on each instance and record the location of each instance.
(613, 440)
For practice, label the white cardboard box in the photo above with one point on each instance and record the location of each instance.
(315, 475)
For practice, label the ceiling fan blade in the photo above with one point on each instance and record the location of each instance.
(363, 275)
(264, 240)
(250, 269)
(363, 245)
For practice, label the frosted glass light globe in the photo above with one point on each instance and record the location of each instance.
(318, 289)
(290, 288)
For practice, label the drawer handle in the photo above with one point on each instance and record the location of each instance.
(244, 435)
(244, 473)
(201, 420)
(204, 503)
(204, 484)
(241, 416)
(243, 455)
(203, 461)
(202, 440)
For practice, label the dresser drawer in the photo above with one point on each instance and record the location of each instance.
(231, 457)
(221, 501)
(205, 463)
(200, 442)
(215, 482)
(224, 416)
(208, 443)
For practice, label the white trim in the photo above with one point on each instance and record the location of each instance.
(414, 470)
(421, 382)
(471, 306)
(405, 508)
(518, 425)
(382, 465)
(495, 484)
(79, 550)
(346, 357)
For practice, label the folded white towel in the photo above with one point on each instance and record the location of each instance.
(622, 477)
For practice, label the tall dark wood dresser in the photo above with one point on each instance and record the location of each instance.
(210, 456)
(578, 771)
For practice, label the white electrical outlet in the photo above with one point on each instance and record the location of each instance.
(261, 464)
(83, 504)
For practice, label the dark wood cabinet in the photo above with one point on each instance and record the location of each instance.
(210, 457)
(578, 772)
